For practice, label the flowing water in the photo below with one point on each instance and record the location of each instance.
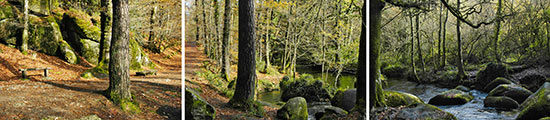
(472, 110)
(345, 81)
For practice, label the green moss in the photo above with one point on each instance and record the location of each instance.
(529, 109)
(6, 10)
(395, 99)
(126, 104)
(83, 21)
(87, 75)
(257, 110)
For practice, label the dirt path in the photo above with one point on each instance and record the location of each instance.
(66, 96)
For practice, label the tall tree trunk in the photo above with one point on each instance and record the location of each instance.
(205, 30)
(197, 21)
(25, 36)
(362, 65)
(413, 66)
(246, 73)
(226, 64)
(439, 56)
(548, 38)
(461, 73)
(267, 47)
(444, 60)
(119, 74)
(376, 92)
(151, 29)
(105, 19)
(497, 30)
(217, 48)
(420, 58)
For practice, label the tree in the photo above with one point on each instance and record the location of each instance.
(461, 73)
(497, 30)
(246, 72)
(25, 35)
(226, 64)
(362, 66)
(119, 65)
(376, 92)
(105, 19)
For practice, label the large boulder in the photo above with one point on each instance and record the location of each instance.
(532, 82)
(196, 108)
(10, 29)
(448, 79)
(319, 111)
(44, 35)
(423, 112)
(344, 99)
(81, 33)
(294, 109)
(493, 84)
(312, 90)
(394, 99)
(537, 105)
(501, 102)
(489, 73)
(451, 97)
(138, 59)
(513, 91)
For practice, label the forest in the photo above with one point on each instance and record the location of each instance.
(459, 59)
(275, 59)
(90, 59)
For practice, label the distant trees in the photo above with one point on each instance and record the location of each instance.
(156, 24)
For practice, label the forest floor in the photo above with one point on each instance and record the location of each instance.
(194, 58)
(65, 95)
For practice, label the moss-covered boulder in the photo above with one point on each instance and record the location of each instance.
(344, 99)
(90, 50)
(294, 109)
(451, 97)
(493, 84)
(447, 79)
(537, 105)
(66, 52)
(513, 91)
(139, 58)
(489, 73)
(545, 118)
(394, 71)
(44, 35)
(196, 108)
(500, 102)
(395, 99)
(312, 90)
(532, 81)
(423, 111)
(9, 30)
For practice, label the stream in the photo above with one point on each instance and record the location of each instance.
(472, 110)
(345, 81)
